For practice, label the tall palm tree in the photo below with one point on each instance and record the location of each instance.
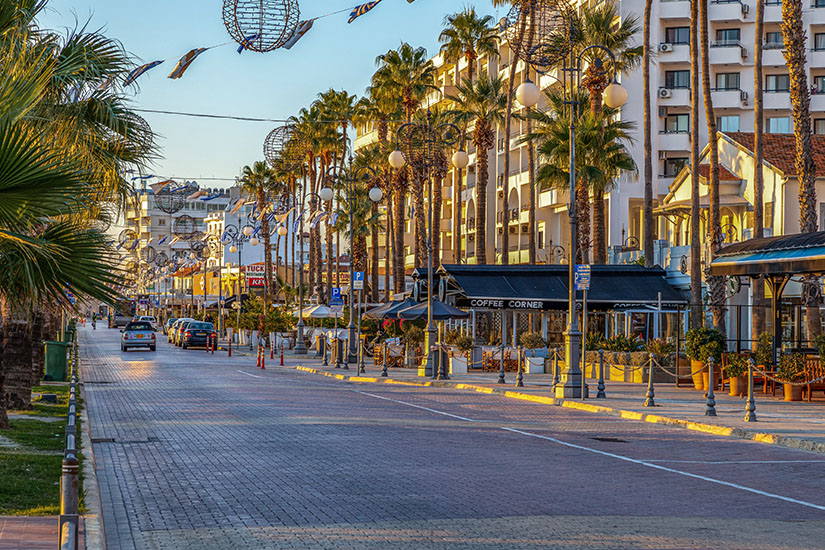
(695, 251)
(484, 102)
(603, 25)
(647, 231)
(258, 181)
(758, 290)
(467, 35)
(793, 33)
(716, 285)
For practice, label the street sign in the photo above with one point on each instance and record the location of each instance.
(336, 293)
(335, 300)
(336, 309)
(582, 277)
(358, 280)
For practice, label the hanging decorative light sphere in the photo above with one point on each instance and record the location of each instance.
(261, 25)
(540, 32)
(283, 144)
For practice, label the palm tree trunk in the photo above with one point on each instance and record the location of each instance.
(400, 267)
(457, 177)
(38, 327)
(758, 285)
(329, 262)
(531, 187)
(599, 230)
(583, 214)
(436, 236)
(695, 238)
(374, 239)
(389, 247)
(716, 285)
(647, 237)
(794, 37)
(505, 204)
(481, 206)
(4, 318)
(17, 361)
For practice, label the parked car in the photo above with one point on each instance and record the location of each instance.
(151, 319)
(172, 335)
(196, 333)
(138, 334)
(169, 322)
(178, 336)
(120, 319)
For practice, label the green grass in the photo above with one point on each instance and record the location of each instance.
(29, 484)
(37, 435)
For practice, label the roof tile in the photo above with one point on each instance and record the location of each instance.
(780, 150)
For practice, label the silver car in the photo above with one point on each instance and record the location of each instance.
(138, 334)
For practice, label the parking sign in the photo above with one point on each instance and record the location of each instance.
(582, 277)
(335, 298)
(358, 280)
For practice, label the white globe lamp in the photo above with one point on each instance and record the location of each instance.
(614, 95)
(460, 159)
(233, 249)
(248, 230)
(254, 241)
(528, 94)
(282, 231)
(325, 194)
(397, 159)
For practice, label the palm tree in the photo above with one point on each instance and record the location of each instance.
(695, 239)
(758, 290)
(258, 182)
(599, 26)
(794, 38)
(468, 36)
(647, 232)
(485, 104)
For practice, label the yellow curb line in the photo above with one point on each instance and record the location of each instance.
(738, 433)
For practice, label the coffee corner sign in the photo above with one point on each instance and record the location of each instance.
(494, 303)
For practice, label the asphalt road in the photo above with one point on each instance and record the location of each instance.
(200, 451)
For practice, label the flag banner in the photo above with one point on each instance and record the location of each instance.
(246, 42)
(162, 240)
(185, 61)
(282, 217)
(237, 206)
(135, 73)
(317, 220)
(333, 219)
(211, 197)
(297, 223)
(358, 11)
(270, 217)
(299, 32)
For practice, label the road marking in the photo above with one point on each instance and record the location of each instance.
(736, 461)
(416, 406)
(670, 470)
(252, 375)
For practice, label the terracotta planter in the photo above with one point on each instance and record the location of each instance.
(706, 379)
(792, 393)
(738, 386)
(698, 381)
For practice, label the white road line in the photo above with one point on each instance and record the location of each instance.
(252, 375)
(735, 461)
(670, 470)
(416, 406)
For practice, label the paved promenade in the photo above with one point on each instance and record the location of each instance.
(195, 451)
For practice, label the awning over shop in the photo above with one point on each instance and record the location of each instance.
(797, 254)
(544, 287)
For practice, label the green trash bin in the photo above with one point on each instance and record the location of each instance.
(56, 353)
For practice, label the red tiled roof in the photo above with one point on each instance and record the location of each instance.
(724, 173)
(779, 150)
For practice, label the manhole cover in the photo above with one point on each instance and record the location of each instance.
(609, 439)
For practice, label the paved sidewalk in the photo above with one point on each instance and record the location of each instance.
(31, 533)
(791, 424)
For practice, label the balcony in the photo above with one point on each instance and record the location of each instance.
(773, 11)
(817, 58)
(773, 55)
(727, 53)
(674, 96)
(776, 100)
(674, 9)
(729, 99)
(674, 53)
(446, 224)
(727, 10)
(674, 141)
(818, 102)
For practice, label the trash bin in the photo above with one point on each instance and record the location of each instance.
(68, 335)
(56, 360)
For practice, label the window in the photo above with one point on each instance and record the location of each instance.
(677, 35)
(818, 86)
(677, 124)
(728, 123)
(727, 37)
(768, 222)
(819, 41)
(819, 126)
(773, 40)
(779, 125)
(677, 79)
(777, 83)
(674, 165)
(727, 81)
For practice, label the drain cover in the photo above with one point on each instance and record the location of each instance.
(609, 439)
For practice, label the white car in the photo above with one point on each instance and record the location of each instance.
(151, 319)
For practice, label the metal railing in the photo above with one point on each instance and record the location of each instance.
(69, 479)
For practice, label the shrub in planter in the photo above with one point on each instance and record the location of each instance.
(532, 340)
(620, 342)
(792, 369)
(661, 350)
(763, 355)
(737, 371)
(700, 345)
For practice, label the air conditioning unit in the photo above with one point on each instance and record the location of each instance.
(662, 112)
(662, 155)
(745, 9)
(501, 193)
(665, 47)
(665, 92)
(471, 237)
(500, 230)
(525, 228)
(513, 230)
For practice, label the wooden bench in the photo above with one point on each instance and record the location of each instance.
(767, 384)
(813, 370)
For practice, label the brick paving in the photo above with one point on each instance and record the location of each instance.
(196, 451)
(31, 533)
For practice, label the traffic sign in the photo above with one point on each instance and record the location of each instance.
(336, 309)
(335, 299)
(358, 280)
(582, 277)
(336, 293)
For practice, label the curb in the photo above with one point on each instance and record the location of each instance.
(93, 524)
(712, 429)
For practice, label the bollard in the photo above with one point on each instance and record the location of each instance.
(230, 347)
(272, 349)
(258, 357)
(71, 444)
(263, 355)
(520, 376)
(68, 485)
(601, 393)
(649, 401)
(214, 343)
(556, 375)
(208, 344)
(384, 373)
(68, 532)
(337, 352)
(282, 354)
(711, 402)
(325, 347)
(750, 408)
(501, 366)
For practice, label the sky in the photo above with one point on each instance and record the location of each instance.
(272, 85)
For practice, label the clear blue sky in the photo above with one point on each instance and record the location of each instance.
(271, 85)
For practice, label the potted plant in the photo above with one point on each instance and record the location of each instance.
(737, 370)
(532, 342)
(700, 345)
(413, 337)
(792, 369)
(763, 354)
(458, 361)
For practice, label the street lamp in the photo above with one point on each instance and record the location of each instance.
(614, 97)
(348, 178)
(423, 142)
(235, 236)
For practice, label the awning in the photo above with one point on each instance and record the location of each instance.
(797, 254)
(704, 203)
(544, 287)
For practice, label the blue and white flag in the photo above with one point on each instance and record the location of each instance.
(297, 224)
(299, 32)
(358, 11)
(246, 42)
(185, 61)
(317, 219)
(135, 73)
(332, 219)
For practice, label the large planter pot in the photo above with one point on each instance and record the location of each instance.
(792, 393)
(717, 379)
(458, 364)
(738, 386)
(534, 365)
(697, 368)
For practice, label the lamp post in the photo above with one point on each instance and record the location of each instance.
(423, 142)
(347, 178)
(235, 236)
(614, 96)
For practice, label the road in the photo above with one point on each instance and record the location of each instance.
(200, 451)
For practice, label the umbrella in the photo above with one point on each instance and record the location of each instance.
(390, 309)
(441, 312)
(317, 311)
